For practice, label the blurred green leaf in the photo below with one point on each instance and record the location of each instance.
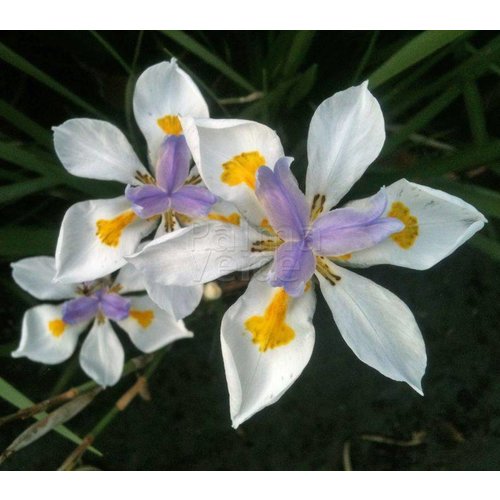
(420, 47)
(14, 59)
(19, 400)
(475, 112)
(485, 200)
(18, 190)
(112, 51)
(210, 58)
(25, 124)
(297, 52)
(301, 89)
(486, 245)
(24, 241)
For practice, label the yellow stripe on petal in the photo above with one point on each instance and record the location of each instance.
(270, 330)
(242, 169)
(56, 327)
(405, 238)
(233, 218)
(144, 318)
(170, 124)
(109, 231)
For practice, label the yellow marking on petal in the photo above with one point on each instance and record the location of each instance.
(308, 286)
(270, 330)
(170, 124)
(57, 327)
(233, 218)
(242, 169)
(317, 206)
(405, 238)
(264, 224)
(144, 318)
(346, 256)
(109, 231)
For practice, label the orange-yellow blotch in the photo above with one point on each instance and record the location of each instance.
(346, 256)
(242, 169)
(57, 327)
(109, 231)
(170, 124)
(405, 238)
(233, 218)
(270, 331)
(144, 318)
(264, 224)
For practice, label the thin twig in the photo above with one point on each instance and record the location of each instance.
(346, 456)
(254, 96)
(423, 140)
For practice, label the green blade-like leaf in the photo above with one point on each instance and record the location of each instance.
(486, 245)
(209, 57)
(112, 52)
(25, 124)
(475, 112)
(297, 52)
(14, 59)
(19, 400)
(13, 192)
(485, 200)
(24, 241)
(420, 47)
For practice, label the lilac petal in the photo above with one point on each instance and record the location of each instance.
(147, 200)
(79, 309)
(195, 201)
(294, 264)
(172, 168)
(114, 306)
(285, 205)
(347, 230)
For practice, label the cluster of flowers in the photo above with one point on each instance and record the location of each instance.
(238, 208)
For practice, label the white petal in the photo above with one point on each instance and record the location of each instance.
(35, 275)
(180, 301)
(130, 280)
(214, 143)
(97, 150)
(102, 356)
(45, 337)
(82, 254)
(377, 326)
(199, 254)
(444, 223)
(150, 327)
(346, 134)
(165, 89)
(258, 374)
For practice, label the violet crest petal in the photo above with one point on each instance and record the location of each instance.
(294, 264)
(194, 201)
(80, 309)
(172, 168)
(147, 200)
(114, 306)
(283, 202)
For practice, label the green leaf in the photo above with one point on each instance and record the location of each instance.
(25, 124)
(420, 47)
(475, 112)
(23, 241)
(297, 52)
(210, 58)
(18, 190)
(112, 52)
(485, 200)
(486, 245)
(14, 59)
(19, 400)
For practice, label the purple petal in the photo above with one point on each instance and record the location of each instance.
(114, 306)
(348, 229)
(80, 309)
(195, 201)
(172, 168)
(147, 200)
(293, 266)
(285, 205)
